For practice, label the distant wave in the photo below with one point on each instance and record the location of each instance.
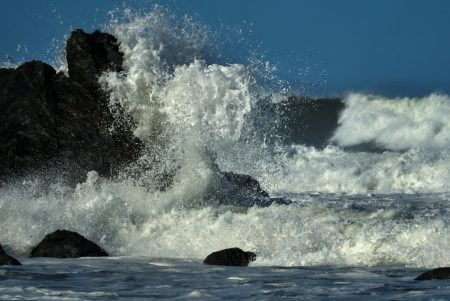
(395, 124)
(335, 170)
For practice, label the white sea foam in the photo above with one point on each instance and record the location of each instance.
(317, 229)
(396, 124)
(334, 170)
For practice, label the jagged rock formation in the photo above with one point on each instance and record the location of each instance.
(89, 55)
(49, 119)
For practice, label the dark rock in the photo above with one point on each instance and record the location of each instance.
(51, 120)
(89, 55)
(85, 141)
(83, 115)
(229, 188)
(66, 244)
(27, 131)
(230, 257)
(439, 273)
(245, 185)
(5, 259)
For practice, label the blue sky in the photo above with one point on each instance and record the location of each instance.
(327, 47)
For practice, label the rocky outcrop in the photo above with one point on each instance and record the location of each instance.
(228, 187)
(5, 259)
(439, 273)
(230, 257)
(27, 130)
(51, 120)
(245, 185)
(66, 244)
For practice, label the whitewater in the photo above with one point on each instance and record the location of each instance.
(364, 211)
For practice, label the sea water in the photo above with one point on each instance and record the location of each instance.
(363, 212)
(143, 278)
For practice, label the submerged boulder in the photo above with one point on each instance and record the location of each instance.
(66, 244)
(5, 259)
(246, 185)
(439, 274)
(230, 257)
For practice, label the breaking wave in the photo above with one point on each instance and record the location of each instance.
(395, 124)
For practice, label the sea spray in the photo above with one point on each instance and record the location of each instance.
(317, 229)
(189, 108)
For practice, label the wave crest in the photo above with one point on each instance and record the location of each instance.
(395, 124)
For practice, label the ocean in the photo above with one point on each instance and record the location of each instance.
(363, 183)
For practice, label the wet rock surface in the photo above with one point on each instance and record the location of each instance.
(89, 55)
(50, 119)
(66, 244)
(438, 274)
(230, 257)
(246, 185)
(5, 259)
